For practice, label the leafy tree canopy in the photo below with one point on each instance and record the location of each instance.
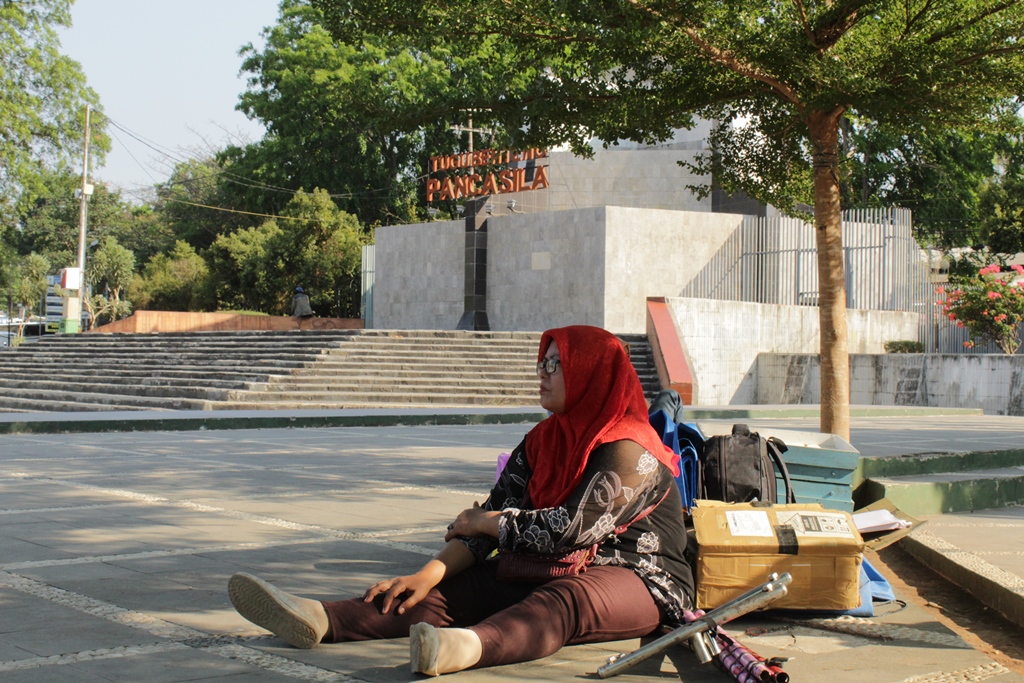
(49, 225)
(311, 244)
(176, 281)
(356, 119)
(42, 100)
(939, 176)
(196, 203)
(109, 272)
(1002, 205)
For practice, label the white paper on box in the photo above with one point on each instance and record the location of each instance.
(749, 523)
(816, 524)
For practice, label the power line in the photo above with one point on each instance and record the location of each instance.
(247, 213)
(235, 178)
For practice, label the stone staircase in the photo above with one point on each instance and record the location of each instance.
(642, 357)
(279, 370)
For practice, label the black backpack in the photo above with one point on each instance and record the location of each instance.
(740, 468)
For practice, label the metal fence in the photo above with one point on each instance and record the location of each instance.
(775, 261)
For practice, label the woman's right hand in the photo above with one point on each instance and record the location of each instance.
(416, 586)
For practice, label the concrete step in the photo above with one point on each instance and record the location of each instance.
(375, 400)
(138, 387)
(354, 391)
(199, 357)
(465, 381)
(25, 405)
(154, 364)
(377, 374)
(943, 492)
(74, 401)
(26, 380)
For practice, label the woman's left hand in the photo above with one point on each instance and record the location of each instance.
(474, 521)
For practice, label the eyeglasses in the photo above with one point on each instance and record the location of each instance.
(549, 366)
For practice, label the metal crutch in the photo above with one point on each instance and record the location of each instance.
(768, 592)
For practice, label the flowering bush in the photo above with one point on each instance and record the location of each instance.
(990, 305)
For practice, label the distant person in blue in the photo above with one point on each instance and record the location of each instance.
(300, 304)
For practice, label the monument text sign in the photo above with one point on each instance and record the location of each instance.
(521, 173)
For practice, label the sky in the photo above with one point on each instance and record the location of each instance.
(169, 73)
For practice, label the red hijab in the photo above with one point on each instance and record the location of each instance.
(604, 402)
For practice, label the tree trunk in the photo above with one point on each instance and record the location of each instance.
(828, 223)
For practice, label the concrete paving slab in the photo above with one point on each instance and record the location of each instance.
(324, 512)
(164, 667)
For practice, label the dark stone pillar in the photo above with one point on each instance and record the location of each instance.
(475, 315)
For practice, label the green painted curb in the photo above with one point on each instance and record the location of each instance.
(918, 498)
(878, 467)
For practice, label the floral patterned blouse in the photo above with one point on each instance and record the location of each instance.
(621, 480)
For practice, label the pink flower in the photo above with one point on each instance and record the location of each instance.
(959, 324)
(994, 268)
(968, 344)
(952, 316)
(940, 290)
(1000, 318)
(995, 295)
(1017, 268)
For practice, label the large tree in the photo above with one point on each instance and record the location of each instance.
(344, 117)
(43, 95)
(49, 224)
(778, 77)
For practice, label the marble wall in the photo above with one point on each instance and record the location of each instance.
(594, 266)
(728, 344)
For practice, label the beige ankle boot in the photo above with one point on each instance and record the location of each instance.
(299, 621)
(436, 651)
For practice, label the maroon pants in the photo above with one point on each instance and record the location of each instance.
(515, 622)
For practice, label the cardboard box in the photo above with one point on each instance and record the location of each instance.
(740, 544)
(882, 539)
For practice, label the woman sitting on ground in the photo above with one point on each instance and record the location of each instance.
(575, 482)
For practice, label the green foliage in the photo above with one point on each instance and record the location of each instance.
(42, 100)
(312, 244)
(178, 281)
(1002, 205)
(990, 305)
(620, 69)
(29, 282)
(236, 268)
(356, 119)
(939, 176)
(49, 225)
(187, 204)
(904, 346)
(110, 270)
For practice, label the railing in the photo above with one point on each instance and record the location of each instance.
(775, 261)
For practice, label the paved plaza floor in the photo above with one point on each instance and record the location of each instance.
(116, 548)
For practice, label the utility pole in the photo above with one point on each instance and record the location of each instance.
(470, 129)
(83, 208)
(72, 322)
